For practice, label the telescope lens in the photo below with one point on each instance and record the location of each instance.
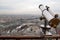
(54, 22)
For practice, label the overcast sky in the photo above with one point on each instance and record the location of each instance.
(27, 6)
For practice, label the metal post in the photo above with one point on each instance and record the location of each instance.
(45, 23)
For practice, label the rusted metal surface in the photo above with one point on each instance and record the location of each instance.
(52, 36)
(21, 37)
(31, 37)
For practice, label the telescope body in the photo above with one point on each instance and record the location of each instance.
(51, 12)
(53, 22)
(47, 15)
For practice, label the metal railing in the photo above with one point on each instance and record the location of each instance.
(45, 37)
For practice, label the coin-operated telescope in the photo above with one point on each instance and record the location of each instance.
(49, 16)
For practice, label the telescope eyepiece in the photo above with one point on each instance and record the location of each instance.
(47, 8)
(40, 5)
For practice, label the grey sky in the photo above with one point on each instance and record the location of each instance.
(27, 6)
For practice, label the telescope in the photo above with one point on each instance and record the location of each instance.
(49, 16)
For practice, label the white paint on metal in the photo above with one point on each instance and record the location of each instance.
(47, 15)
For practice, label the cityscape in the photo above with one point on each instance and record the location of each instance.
(14, 25)
(11, 22)
(29, 19)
